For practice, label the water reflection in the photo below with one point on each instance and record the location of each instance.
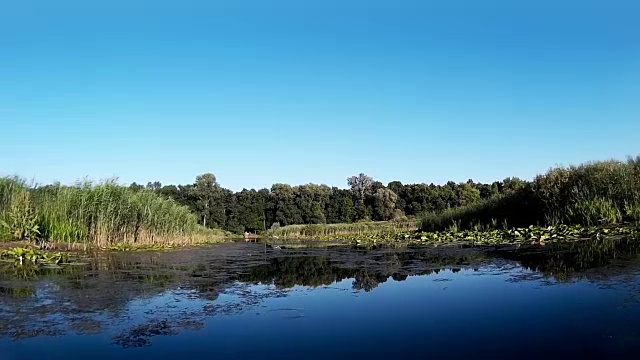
(138, 296)
(368, 269)
(567, 262)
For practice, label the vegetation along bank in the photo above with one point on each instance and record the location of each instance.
(599, 197)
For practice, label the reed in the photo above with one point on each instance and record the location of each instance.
(102, 215)
(320, 230)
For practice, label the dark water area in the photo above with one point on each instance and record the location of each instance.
(240, 301)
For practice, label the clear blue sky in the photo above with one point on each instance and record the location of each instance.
(259, 92)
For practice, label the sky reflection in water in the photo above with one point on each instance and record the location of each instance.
(245, 300)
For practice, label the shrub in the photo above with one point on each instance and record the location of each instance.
(588, 194)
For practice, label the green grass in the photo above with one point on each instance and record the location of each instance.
(99, 215)
(322, 230)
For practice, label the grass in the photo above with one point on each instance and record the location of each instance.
(595, 211)
(96, 215)
(324, 230)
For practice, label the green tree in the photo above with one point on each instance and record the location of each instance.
(385, 204)
(156, 185)
(311, 200)
(466, 194)
(251, 210)
(340, 208)
(135, 186)
(286, 210)
(361, 189)
(209, 199)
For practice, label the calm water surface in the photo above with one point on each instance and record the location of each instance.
(248, 301)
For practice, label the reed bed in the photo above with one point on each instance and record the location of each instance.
(96, 215)
(323, 230)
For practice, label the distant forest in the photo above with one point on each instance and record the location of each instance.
(283, 204)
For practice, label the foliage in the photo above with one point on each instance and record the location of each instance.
(604, 192)
(597, 193)
(385, 204)
(366, 200)
(532, 235)
(30, 255)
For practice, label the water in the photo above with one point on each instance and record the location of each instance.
(248, 301)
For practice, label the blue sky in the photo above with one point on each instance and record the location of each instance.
(260, 92)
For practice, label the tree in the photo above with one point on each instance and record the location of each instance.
(311, 199)
(170, 191)
(208, 198)
(466, 194)
(396, 187)
(286, 210)
(156, 185)
(251, 210)
(135, 187)
(385, 204)
(360, 186)
(512, 184)
(339, 208)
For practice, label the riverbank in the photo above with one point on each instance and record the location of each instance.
(328, 230)
(532, 235)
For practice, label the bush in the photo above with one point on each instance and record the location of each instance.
(588, 194)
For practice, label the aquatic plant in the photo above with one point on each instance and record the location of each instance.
(35, 256)
(142, 247)
(532, 235)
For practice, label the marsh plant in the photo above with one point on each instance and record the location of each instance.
(320, 230)
(632, 211)
(95, 215)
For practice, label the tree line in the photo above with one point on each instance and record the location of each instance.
(365, 200)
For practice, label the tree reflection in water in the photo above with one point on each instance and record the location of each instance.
(101, 296)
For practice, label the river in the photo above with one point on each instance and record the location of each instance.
(240, 301)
